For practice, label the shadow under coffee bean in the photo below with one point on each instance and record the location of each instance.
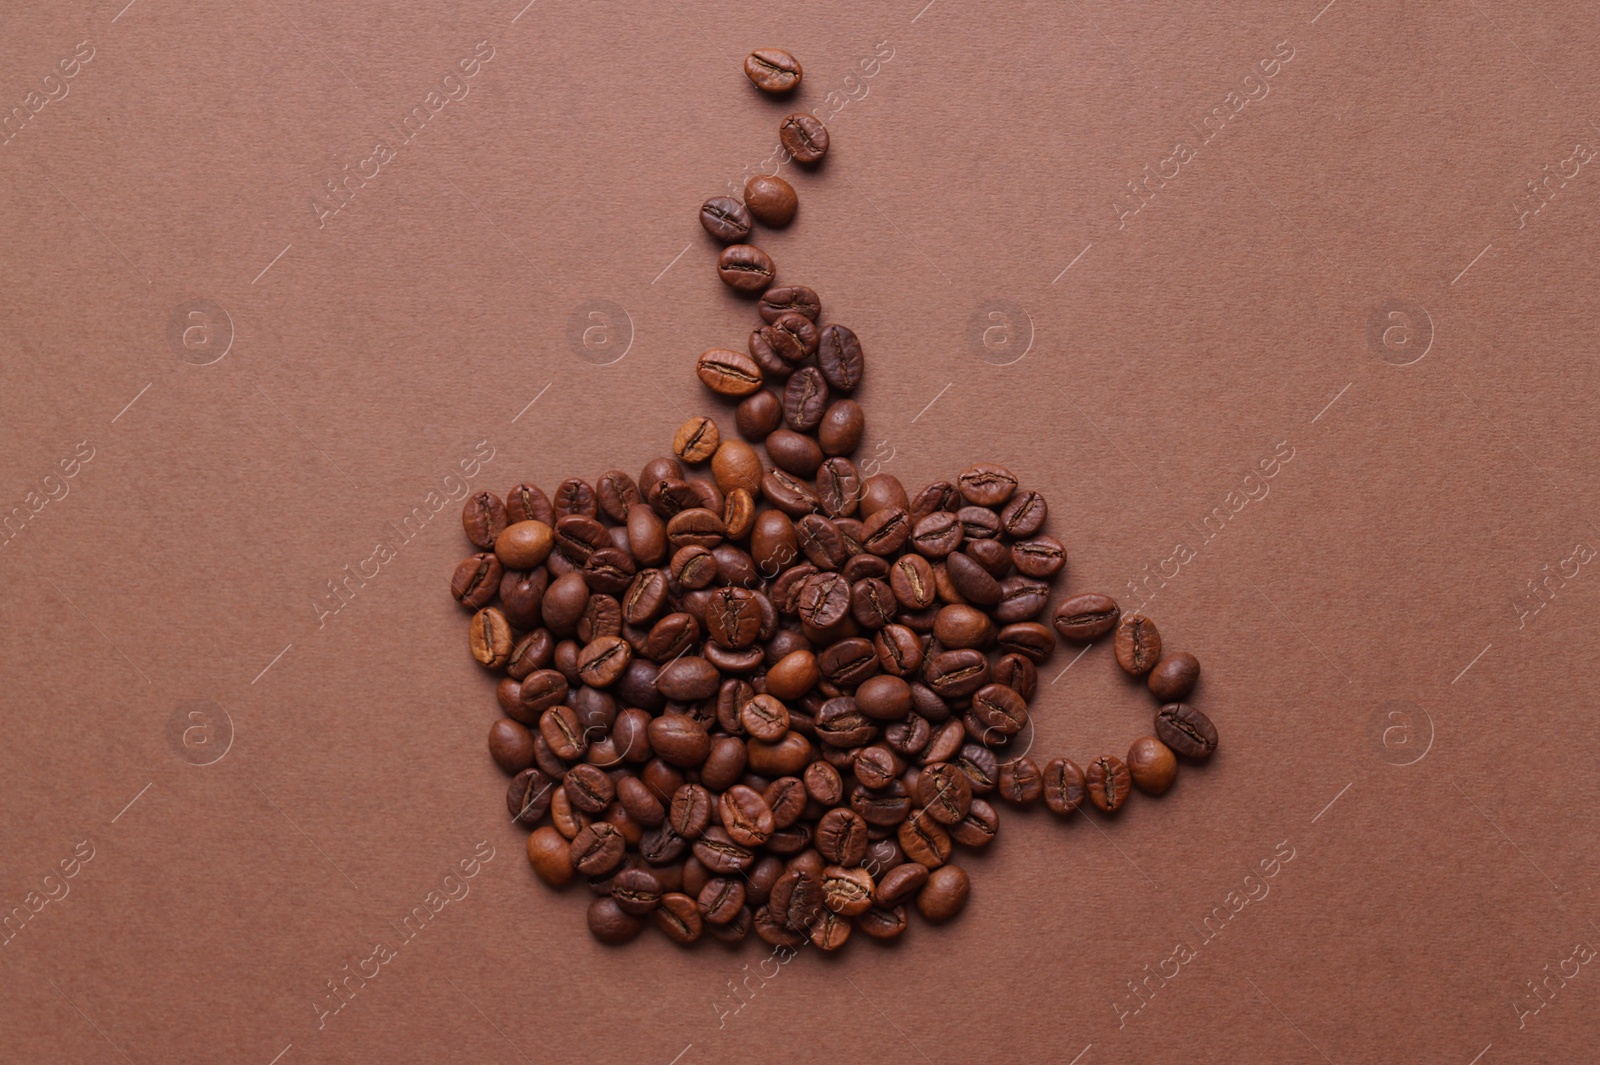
(766, 693)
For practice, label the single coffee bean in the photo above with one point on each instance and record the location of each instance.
(845, 891)
(489, 636)
(1024, 514)
(1018, 673)
(842, 837)
(578, 536)
(911, 578)
(575, 496)
(1173, 678)
(1186, 730)
(979, 827)
(1086, 617)
(1040, 557)
(796, 898)
(986, 484)
(1152, 765)
(603, 661)
(872, 603)
(617, 492)
(717, 851)
(944, 792)
(726, 219)
(823, 784)
(483, 516)
(824, 600)
(876, 766)
(739, 514)
(819, 538)
(956, 674)
(791, 336)
(944, 895)
(728, 373)
(899, 651)
(647, 535)
(691, 811)
(528, 797)
(884, 697)
(771, 200)
(839, 487)
(1137, 643)
(937, 535)
(980, 764)
(886, 532)
(786, 797)
(564, 732)
(1108, 781)
(972, 581)
(721, 900)
(696, 440)
(733, 618)
(598, 848)
(758, 414)
(636, 891)
(745, 268)
(588, 788)
(679, 917)
(999, 709)
(524, 545)
(640, 802)
(794, 497)
(805, 399)
(609, 924)
(883, 924)
(1064, 786)
(900, 883)
(550, 855)
(746, 816)
(804, 137)
(940, 495)
(765, 718)
(476, 580)
(841, 427)
(978, 523)
(1028, 639)
(786, 757)
(772, 70)
(924, 840)
(782, 299)
(882, 491)
(1021, 783)
(678, 740)
(840, 359)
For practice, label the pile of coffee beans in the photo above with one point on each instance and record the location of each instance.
(785, 696)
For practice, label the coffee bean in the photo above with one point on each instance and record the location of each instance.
(588, 789)
(794, 497)
(805, 399)
(771, 200)
(489, 637)
(1041, 557)
(944, 792)
(1186, 730)
(846, 892)
(956, 674)
(886, 532)
(1021, 783)
(790, 336)
(758, 414)
(745, 268)
(804, 137)
(636, 891)
(726, 219)
(824, 600)
(972, 581)
(483, 516)
(783, 299)
(986, 484)
(729, 373)
(841, 427)
(527, 502)
(717, 851)
(819, 538)
(746, 816)
(944, 895)
(838, 487)
(610, 925)
(924, 840)
(796, 898)
(1152, 765)
(524, 545)
(1024, 514)
(528, 797)
(884, 697)
(476, 580)
(940, 495)
(679, 917)
(937, 534)
(1022, 598)
(823, 783)
(721, 900)
(872, 603)
(1137, 643)
(1086, 617)
(603, 661)
(900, 884)
(598, 848)
(574, 496)
(786, 797)
(842, 837)
(772, 70)
(1173, 678)
(550, 856)
(999, 709)
(678, 740)
(696, 440)
(1108, 782)
(840, 358)
(1064, 786)
(979, 827)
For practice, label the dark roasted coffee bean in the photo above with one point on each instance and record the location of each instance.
(978, 523)
(796, 898)
(959, 625)
(885, 533)
(824, 600)
(637, 891)
(1086, 617)
(842, 837)
(670, 495)
(696, 440)
(772, 70)
(745, 816)
(1151, 765)
(900, 883)
(1174, 677)
(476, 580)
(721, 899)
(489, 635)
(908, 736)
(786, 757)
(733, 618)
(978, 828)
(783, 299)
(679, 917)
(937, 535)
(841, 427)
(794, 497)
(899, 651)
(575, 496)
(805, 399)
(981, 766)
(804, 137)
(911, 577)
(1064, 786)
(883, 924)
(956, 674)
(924, 840)
(645, 598)
(940, 495)
(884, 697)
(528, 797)
(483, 517)
(945, 792)
(564, 604)
(1018, 673)
(872, 603)
(678, 740)
(876, 766)
(795, 453)
(610, 925)
(846, 892)
(671, 636)
(640, 802)
(1021, 599)
(524, 545)
(1029, 639)
(588, 789)
(765, 718)
(1186, 730)
(972, 581)
(821, 541)
(719, 853)
(786, 797)
(617, 492)
(945, 894)
(522, 596)
(745, 268)
(787, 588)
(647, 535)
(1108, 781)
(725, 218)
(598, 848)
(577, 536)
(662, 846)
(824, 784)
(841, 725)
(839, 358)
(692, 568)
(1137, 643)
(999, 709)
(566, 735)
(758, 414)
(602, 617)
(1021, 783)
(527, 502)
(838, 487)
(986, 484)
(729, 373)
(603, 661)
(1024, 515)
(992, 555)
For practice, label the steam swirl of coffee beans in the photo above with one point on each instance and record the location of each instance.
(783, 698)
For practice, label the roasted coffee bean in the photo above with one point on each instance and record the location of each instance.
(937, 535)
(1040, 557)
(1065, 787)
(564, 604)
(1174, 677)
(758, 413)
(645, 598)
(992, 555)
(924, 840)
(981, 766)
(944, 792)
(796, 898)
(805, 399)
(671, 636)
(940, 495)
(884, 697)
(745, 268)
(899, 651)
(823, 784)
(647, 535)
(733, 618)
(662, 846)
(793, 675)
(783, 299)
(524, 545)
(842, 837)
(670, 495)
(1022, 598)
(598, 848)
(528, 797)
(882, 491)
(786, 797)
(911, 577)
(792, 336)
(986, 484)
(1024, 515)
(489, 636)
(978, 523)
(959, 625)
(602, 617)
(721, 900)
(839, 358)
(696, 439)
(575, 496)
(794, 497)
(678, 740)
(841, 427)
(972, 581)
(824, 600)
(900, 884)
(883, 924)
(1028, 639)
(1020, 784)
(956, 674)
(603, 661)
(944, 895)
(1152, 765)
(838, 486)
(690, 812)
(978, 828)
(566, 735)
(719, 853)
(785, 757)
(567, 820)
(795, 453)
(617, 492)
(819, 538)
(1108, 781)
(588, 789)
(1186, 730)
(476, 580)
(483, 517)
(872, 603)
(550, 855)
(578, 536)
(726, 219)
(636, 891)
(609, 924)
(772, 200)
(1018, 673)
(640, 802)
(765, 718)
(772, 70)
(522, 596)
(745, 816)
(1086, 617)
(999, 709)
(679, 917)
(1137, 643)
(804, 137)
(787, 588)
(728, 373)
(876, 766)
(846, 892)
(885, 533)
(909, 736)
(527, 502)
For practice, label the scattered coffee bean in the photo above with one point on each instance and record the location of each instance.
(1174, 677)
(726, 219)
(1107, 780)
(771, 200)
(1137, 643)
(804, 137)
(745, 268)
(772, 70)
(1186, 730)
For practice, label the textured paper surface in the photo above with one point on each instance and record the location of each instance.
(1131, 252)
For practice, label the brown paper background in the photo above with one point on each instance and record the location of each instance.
(969, 171)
